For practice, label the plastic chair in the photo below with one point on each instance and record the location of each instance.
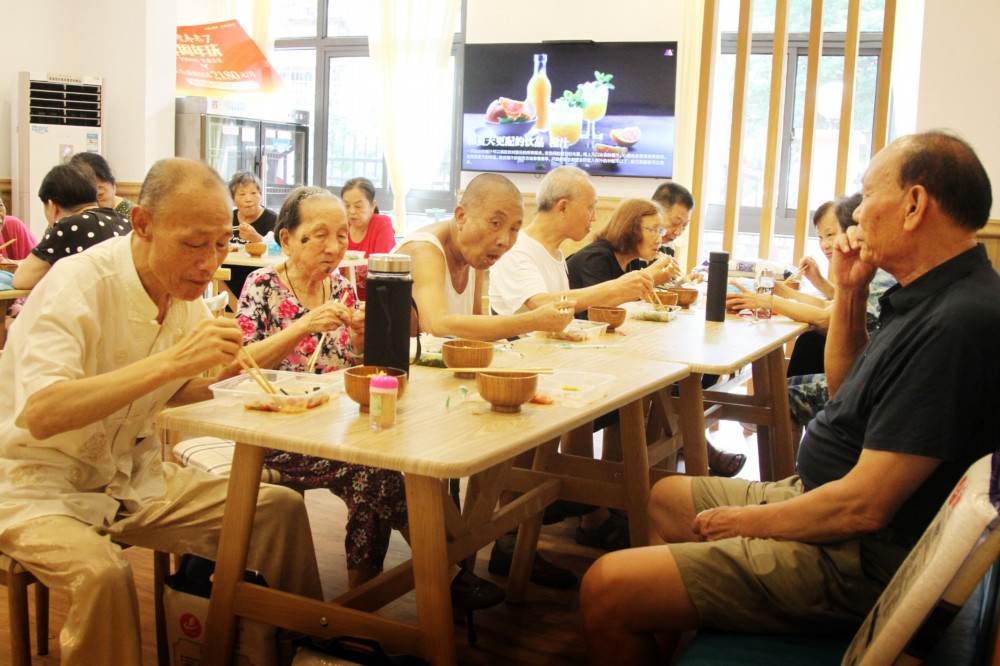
(933, 583)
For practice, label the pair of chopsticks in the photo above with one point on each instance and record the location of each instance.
(322, 339)
(563, 299)
(253, 370)
(794, 276)
(540, 371)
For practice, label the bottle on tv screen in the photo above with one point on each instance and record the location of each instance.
(605, 107)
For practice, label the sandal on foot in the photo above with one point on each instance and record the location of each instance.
(470, 592)
(611, 535)
(731, 464)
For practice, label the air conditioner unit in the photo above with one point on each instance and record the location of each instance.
(55, 116)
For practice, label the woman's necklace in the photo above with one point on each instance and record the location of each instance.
(288, 276)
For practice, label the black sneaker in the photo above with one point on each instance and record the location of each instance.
(543, 572)
(470, 592)
(560, 510)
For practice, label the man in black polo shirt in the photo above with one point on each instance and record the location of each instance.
(911, 409)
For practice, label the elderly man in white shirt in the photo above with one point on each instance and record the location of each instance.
(106, 339)
(533, 272)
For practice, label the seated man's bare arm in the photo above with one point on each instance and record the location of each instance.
(73, 403)
(29, 272)
(863, 501)
(429, 273)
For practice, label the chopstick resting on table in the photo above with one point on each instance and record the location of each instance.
(540, 371)
(253, 370)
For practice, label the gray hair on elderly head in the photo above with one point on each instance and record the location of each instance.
(561, 183)
(166, 176)
(290, 215)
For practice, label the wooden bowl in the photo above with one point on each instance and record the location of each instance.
(794, 284)
(358, 379)
(685, 296)
(467, 354)
(614, 317)
(256, 249)
(663, 300)
(507, 391)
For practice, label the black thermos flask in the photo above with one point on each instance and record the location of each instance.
(718, 279)
(387, 311)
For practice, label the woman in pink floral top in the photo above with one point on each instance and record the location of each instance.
(284, 310)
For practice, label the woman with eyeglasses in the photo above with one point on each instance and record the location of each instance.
(635, 231)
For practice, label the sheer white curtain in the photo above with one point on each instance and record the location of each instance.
(409, 43)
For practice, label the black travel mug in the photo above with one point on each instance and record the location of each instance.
(718, 279)
(389, 294)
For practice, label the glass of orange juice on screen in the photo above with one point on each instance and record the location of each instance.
(565, 126)
(540, 92)
(596, 98)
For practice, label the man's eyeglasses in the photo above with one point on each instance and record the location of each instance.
(659, 231)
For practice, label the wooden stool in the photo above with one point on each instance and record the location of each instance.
(17, 579)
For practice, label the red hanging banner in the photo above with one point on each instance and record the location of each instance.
(221, 60)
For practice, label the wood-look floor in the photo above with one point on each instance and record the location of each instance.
(544, 630)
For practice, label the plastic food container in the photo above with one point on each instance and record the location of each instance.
(574, 389)
(354, 255)
(646, 312)
(577, 331)
(296, 391)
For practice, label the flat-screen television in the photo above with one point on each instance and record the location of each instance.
(606, 107)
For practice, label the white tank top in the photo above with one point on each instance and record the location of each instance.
(458, 303)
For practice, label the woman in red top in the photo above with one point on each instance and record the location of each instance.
(369, 231)
(14, 229)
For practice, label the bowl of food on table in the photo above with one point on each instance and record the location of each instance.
(256, 249)
(467, 354)
(612, 316)
(506, 391)
(685, 296)
(357, 381)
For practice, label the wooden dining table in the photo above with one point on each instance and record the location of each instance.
(440, 434)
(713, 348)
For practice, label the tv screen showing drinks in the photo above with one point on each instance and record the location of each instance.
(607, 107)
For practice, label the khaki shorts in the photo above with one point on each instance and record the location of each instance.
(771, 586)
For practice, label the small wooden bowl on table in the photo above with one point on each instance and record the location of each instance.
(466, 354)
(613, 317)
(507, 391)
(357, 381)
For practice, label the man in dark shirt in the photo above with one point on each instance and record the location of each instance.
(911, 409)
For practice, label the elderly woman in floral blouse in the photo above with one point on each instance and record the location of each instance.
(285, 310)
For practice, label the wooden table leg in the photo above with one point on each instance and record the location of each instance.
(781, 432)
(692, 414)
(635, 471)
(234, 543)
(425, 507)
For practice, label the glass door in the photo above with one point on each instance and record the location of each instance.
(231, 145)
(285, 159)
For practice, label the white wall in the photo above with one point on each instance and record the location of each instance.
(128, 42)
(597, 20)
(960, 78)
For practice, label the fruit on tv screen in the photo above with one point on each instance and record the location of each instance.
(607, 108)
